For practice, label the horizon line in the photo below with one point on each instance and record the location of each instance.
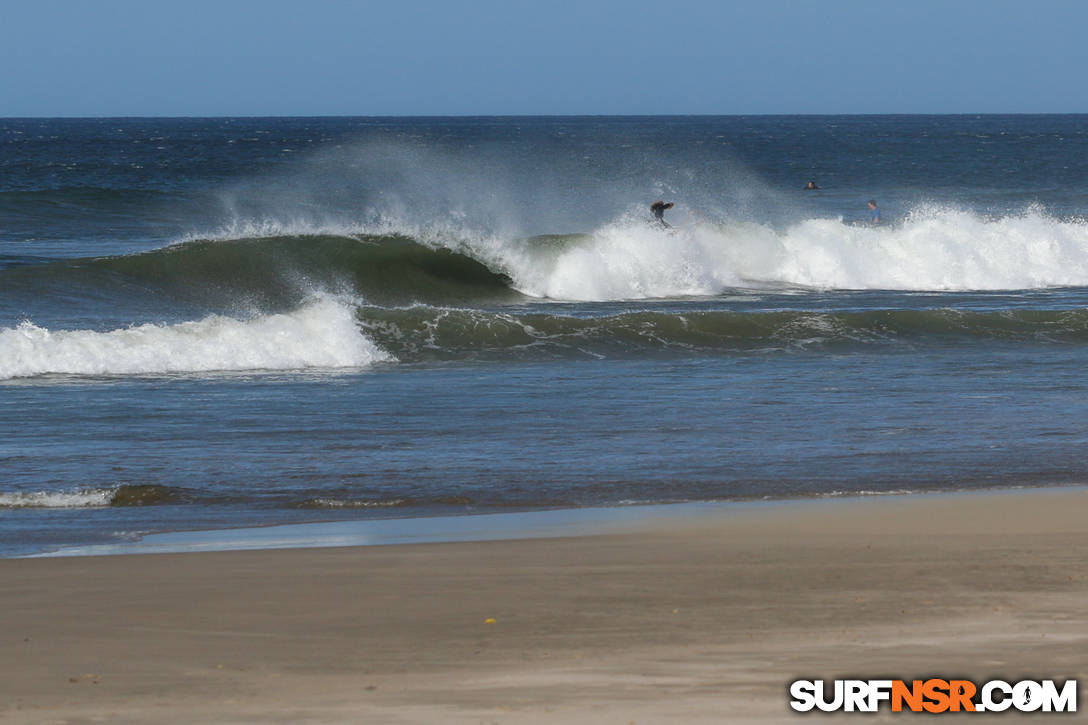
(537, 115)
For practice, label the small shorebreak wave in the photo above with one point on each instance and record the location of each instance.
(137, 495)
(123, 495)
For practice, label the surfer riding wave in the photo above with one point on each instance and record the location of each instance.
(658, 208)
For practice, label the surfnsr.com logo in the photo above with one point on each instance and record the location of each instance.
(933, 695)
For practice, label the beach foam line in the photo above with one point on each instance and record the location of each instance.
(424, 530)
(553, 523)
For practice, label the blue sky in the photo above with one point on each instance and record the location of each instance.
(408, 57)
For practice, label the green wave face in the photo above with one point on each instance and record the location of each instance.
(383, 269)
(277, 272)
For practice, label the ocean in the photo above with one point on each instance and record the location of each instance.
(239, 322)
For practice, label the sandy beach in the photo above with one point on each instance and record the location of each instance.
(707, 620)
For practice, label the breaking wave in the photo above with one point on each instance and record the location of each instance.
(933, 249)
(272, 265)
(123, 495)
(321, 334)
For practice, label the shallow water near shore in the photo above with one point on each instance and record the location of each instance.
(545, 524)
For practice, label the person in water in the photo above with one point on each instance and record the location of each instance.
(658, 208)
(874, 212)
(811, 186)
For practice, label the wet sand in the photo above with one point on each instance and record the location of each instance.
(698, 620)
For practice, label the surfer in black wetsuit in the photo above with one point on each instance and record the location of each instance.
(658, 208)
(811, 186)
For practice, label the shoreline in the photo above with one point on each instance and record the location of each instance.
(705, 620)
(490, 526)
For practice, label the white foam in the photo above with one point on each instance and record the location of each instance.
(89, 498)
(931, 249)
(321, 334)
(269, 227)
(939, 249)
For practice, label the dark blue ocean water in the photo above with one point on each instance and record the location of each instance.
(232, 322)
